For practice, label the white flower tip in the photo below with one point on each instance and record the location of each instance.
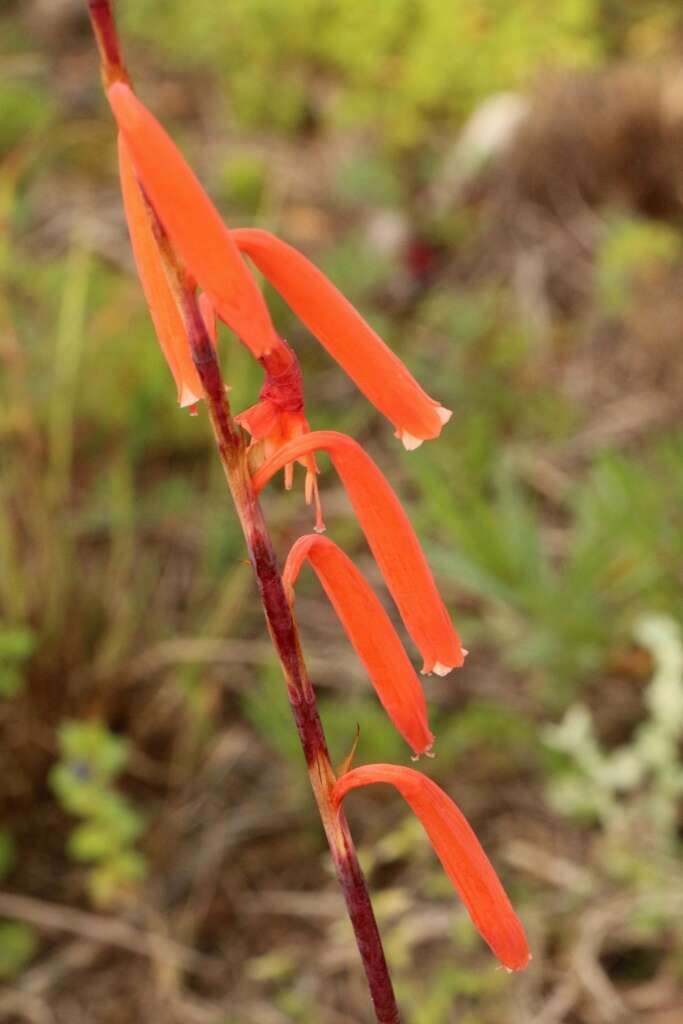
(427, 752)
(188, 397)
(443, 413)
(441, 670)
(410, 443)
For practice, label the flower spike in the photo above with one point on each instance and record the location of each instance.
(166, 317)
(193, 223)
(368, 361)
(371, 632)
(460, 852)
(391, 538)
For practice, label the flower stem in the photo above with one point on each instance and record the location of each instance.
(278, 612)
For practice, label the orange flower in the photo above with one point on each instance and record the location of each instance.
(459, 851)
(391, 538)
(212, 255)
(167, 321)
(376, 370)
(370, 631)
(193, 223)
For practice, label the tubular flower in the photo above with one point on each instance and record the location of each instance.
(391, 539)
(370, 631)
(460, 852)
(166, 318)
(359, 350)
(193, 223)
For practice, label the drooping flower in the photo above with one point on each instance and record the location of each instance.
(193, 223)
(459, 851)
(391, 538)
(166, 317)
(212, 255)
(371, 632)
(338, 325)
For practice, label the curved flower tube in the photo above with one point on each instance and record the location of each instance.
(460, 852)
(359, 350)
(193, 223)
(166, 318)
(371, 633)
(391, 539)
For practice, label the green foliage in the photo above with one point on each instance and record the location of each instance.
(367, 179)
(7, 853)
(26, 111)
(16, 646)
(395, 65)
(640, 30)
(18, 944)
(487, 731)
(18, 941)
(378, 739)
(559, 616)
(265, 706)
(243, 182)
(431, 1001)
(91, 760)
(632, 250)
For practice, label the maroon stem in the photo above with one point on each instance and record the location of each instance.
(104, 27)
(278, 612)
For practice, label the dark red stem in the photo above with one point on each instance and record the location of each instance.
(104, 28)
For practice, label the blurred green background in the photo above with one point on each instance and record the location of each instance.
(498, 186)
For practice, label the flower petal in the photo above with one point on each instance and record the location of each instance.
(208, 316)
(391, 538)
(260, 419)
(370, 631)
(369, 362)
(166, 317)
(193, 223)
(459, 851)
